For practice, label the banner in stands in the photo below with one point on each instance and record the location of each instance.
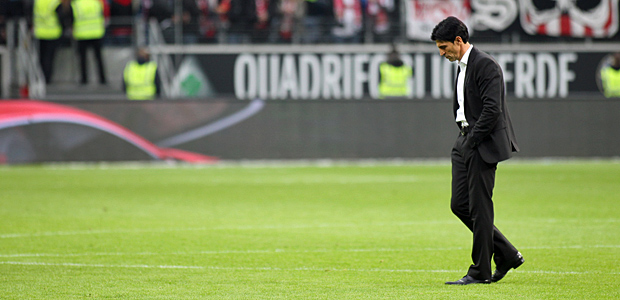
(573, 18)
(356, 75)
(423, 15)
(592, 18)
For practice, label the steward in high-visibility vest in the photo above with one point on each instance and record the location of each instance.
(88, 19)
(140, 80)
(395, 75)
(47, 29)
(610, 78)
(46, 24)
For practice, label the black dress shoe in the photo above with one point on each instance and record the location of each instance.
(468, 280)
(501, 271)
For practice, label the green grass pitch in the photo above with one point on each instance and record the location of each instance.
(343, 231)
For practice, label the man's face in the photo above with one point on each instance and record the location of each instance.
(449, 50)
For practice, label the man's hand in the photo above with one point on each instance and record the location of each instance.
(470, 143)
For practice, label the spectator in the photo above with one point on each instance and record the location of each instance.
(610, 77)
(47, 28)
(160, 10)
(88, 30)
(317, 15)
(140, 78)
(222, 10)
(121, 25)
(249, 20)
(164, 12)
(208, 20)
(190, 16)
(284, 21)
(381, 14)
(349, 20)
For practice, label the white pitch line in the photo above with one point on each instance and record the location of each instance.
(248, 227)
(265, 227)
(98, 265)
(284, 251)
(571, 247)
(282, 269)
(275, 251)
(344, 180)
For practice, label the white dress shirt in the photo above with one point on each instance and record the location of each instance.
(460, 88)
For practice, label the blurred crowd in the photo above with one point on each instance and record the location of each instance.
(241, 21)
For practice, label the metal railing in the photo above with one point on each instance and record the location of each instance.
(5, 88)
(29, 73)
(165, 66)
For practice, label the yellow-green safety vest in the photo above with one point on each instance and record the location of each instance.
(610, 78)
(394, 80)
(46, 25)
(140, 80)
(89, 23)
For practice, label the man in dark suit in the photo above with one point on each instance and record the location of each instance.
(486, 137)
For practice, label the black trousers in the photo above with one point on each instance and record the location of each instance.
(83, 45)
(47, 51)
(472, 189)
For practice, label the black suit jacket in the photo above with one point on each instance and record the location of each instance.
(491, 131)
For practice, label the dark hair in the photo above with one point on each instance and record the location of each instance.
(448, 29)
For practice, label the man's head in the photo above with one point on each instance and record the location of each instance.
(615, 60)
(393, 55)
(451, 37)
(143, 55)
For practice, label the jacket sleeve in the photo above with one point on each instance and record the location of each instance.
(489, 80)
